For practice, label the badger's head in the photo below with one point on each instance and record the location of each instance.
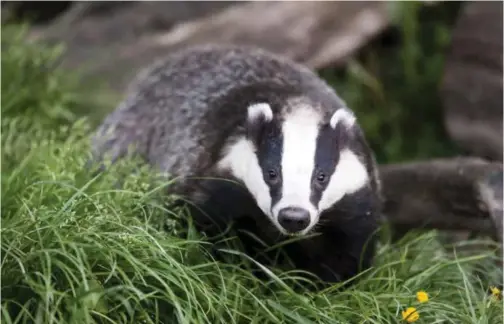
(296, 163)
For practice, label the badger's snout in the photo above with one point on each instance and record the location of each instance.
(294, 219)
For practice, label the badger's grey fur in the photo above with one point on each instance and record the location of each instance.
(298, 156)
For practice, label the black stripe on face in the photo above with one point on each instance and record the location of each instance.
(269, 145)
(329, 144)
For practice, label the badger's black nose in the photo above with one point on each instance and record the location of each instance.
(293, 219)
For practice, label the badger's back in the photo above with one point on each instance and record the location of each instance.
(181, 110)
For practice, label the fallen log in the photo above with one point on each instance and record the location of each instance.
(448, 194)
(312, 32)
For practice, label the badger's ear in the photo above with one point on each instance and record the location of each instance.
(258, 114)
(343, 116)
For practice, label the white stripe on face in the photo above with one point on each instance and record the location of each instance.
(241, 160)
(350, 175)
(300, 131)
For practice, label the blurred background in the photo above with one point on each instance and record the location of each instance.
(425, 78)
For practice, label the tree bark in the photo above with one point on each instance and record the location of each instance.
(449, 194)
(114, 47)
(472, 84)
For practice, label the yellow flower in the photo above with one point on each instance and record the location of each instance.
(422, 296)
(496, 293)
(410, 315)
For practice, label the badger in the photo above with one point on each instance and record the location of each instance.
(258, 140)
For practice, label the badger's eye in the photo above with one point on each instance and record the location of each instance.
(321, 177)
(272, 174)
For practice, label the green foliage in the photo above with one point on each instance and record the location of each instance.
(35, 97)
(31, 87)
(394, 89)
(77, 248)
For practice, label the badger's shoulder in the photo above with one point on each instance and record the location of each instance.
(205, 74)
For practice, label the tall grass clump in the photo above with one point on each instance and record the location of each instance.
(81, 247)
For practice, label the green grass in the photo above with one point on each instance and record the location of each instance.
(76, 248)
